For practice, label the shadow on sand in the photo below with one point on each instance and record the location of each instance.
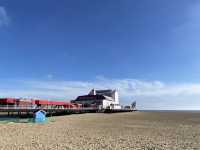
(4, 119)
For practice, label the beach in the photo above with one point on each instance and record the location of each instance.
(133, 130)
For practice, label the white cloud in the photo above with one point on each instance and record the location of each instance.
(149, 94)
(4, 19)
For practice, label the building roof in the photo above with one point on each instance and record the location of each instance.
(107, 92)
(90, 97)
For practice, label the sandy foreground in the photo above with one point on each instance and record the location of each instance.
(135, 130)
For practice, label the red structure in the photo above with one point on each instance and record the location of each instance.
(38, 103)
(5, 101)
(41, 102)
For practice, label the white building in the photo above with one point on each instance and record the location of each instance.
(100, 98)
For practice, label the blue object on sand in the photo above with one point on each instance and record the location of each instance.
(40, 116)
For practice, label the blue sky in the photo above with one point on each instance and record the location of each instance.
(148, 50)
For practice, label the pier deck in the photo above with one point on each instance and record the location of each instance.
(30, 110)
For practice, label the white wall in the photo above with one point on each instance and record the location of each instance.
(116, 97)
(106, 103)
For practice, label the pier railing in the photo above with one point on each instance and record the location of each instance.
(7, 107)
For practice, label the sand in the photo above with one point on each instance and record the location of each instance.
(135, 130)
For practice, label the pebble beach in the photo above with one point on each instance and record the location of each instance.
(133, 130)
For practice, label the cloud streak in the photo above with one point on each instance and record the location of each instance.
(4, 19)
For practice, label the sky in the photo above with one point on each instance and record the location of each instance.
(148, 50)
